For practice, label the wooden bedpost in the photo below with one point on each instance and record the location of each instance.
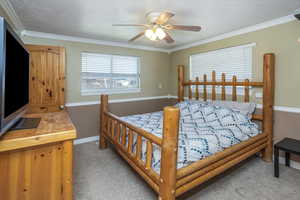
(180, 70)
(268, 102)
(168, 169)
(103, 108)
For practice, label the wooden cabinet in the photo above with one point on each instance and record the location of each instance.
(47, 78)
(37, 164)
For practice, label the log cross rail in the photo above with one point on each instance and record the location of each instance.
(226, 83)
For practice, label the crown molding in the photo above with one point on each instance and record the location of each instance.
(248, 29)
(245, 30)
(87, 40)
(11, 13)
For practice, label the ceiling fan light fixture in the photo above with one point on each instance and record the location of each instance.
(149, 33)
(158, 27)
(159, 32)
(153, 37)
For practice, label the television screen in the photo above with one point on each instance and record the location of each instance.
(16, 76)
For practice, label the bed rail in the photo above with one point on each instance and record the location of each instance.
(123, 135)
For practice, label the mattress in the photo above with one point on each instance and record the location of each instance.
(204, 129)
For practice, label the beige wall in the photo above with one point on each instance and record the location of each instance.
(86, 118)
(154, 68)
(157, 67)
(281, 40)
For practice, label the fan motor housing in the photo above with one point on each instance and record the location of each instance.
(152, 16)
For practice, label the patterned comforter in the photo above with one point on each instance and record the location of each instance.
(204, 130)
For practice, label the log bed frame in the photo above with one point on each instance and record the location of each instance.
(172, 182)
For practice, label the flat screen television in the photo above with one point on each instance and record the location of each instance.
(14, 77)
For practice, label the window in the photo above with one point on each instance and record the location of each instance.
(101, 73)
(231, 61)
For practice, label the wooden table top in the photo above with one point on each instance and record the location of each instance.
(53, 127)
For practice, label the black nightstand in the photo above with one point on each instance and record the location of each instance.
(289, 146)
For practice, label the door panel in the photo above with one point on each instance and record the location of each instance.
(47, 78)
(32, 174)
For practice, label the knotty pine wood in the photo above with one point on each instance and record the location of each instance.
(268, 103)
(103, 109)
(204, 87)
(54, 127)
(169, 152)
(47, 78)
(234, 96)
(37, 163)
(213, 92)
(197, 90)
(180, 83)
(223, 87)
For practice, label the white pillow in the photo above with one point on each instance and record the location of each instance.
(243, 107)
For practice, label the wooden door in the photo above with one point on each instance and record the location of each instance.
(47, 78)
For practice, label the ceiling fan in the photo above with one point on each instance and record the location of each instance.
(158, 25)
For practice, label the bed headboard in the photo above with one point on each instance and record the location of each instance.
(267, 84)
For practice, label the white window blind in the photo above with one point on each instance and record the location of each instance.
(231, 61)
(101, 73)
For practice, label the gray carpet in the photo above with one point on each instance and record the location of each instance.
(103, 175)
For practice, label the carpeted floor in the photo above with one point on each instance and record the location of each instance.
(103, 175)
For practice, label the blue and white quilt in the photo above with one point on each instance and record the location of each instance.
(204, 129)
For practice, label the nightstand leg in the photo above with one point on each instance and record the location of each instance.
(287, 159)
(276, 162)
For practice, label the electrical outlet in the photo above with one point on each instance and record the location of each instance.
(160, 86)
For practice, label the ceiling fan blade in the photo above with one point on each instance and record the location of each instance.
(183, 28)
(144, 25)
(164, 17)
(137, 36)
(168, 38)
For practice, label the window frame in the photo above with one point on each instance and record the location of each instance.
(91, 92)
(240, 89)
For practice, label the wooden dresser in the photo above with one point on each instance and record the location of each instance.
(36, 164)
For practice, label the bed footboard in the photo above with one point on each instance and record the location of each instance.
(123, 136)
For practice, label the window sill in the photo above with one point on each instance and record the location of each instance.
(99, 92)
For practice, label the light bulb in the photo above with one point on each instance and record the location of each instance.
(153, 37)
(149, 33)
(160, 33)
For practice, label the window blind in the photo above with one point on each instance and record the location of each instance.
(101, 73)
(231, 61)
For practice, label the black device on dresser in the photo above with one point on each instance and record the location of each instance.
(289, 146)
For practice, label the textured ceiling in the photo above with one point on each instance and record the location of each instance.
(93, 18)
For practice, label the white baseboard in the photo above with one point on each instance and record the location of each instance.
(293, 164)
(85, 140)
